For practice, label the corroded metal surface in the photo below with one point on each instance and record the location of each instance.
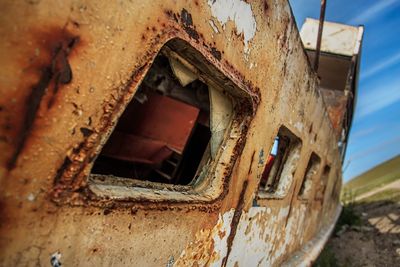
(338, 38)
(69, 68)
(336, 104)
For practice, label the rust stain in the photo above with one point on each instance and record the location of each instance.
(3, 214)
(250, 88)
(266, 7)
(70, 178)
(291, 204)
(217, 54)
(251, 162)
(235, 221)
(171, 14)
(221, 234)
(54, 70)
(187, 24)
(86, 131)
(336, 103)
(70, 171)
(61, 170)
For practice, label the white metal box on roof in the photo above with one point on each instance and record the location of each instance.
(337, 38)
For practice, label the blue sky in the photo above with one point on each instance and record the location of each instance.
(375, 135)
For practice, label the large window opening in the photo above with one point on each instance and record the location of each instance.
(281, 165)
(172, 128)
(310, 175)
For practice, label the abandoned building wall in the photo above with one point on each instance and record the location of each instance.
(69, 70)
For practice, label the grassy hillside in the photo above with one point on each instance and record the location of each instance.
(378, 176)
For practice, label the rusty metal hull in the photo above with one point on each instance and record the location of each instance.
(69, 68)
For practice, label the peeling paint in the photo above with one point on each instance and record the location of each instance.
(55, 259)
(240, 13)
(212, 244)
(221, 237)
(261, 158)
(31, 197)
(170, 262)
(299, 126)
(49, 199)
(213, 26)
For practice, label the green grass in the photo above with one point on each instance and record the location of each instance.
(348, 217)
(326, 258)
(378, 176)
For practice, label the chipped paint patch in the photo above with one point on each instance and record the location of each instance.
(299, 126)
(240, 13)
(171, 261)
(220, 237)
(262, 238)
(55, 259)
(213, 26)
(257, 236)
(261, 158)
(210, 246)
(31, 197)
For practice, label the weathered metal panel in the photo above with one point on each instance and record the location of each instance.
(70, 69)
(336, 104)
(337, 38)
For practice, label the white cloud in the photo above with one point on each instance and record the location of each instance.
(364, 132)
(372, 11)
(373, 149)
(378, 97)
(381, 65)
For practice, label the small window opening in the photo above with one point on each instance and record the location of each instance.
(336, 189)
(310, 175)
(171, 129)
(281, 164)
(322, 183)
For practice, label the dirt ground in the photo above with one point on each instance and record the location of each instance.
(373, 242)
(394, 186)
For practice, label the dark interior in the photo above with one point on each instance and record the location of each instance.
(311, 170)
(164, 133)
(275, 161)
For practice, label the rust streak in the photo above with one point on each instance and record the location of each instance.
(53, 72)
(235, 221)
(187, 24)
(291, 205)
(251, 162)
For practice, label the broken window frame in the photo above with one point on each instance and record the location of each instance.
(312, 170)
(210, 184)
(283, 170)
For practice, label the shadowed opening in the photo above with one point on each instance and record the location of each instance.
(172, 128)
(281, 164)
(310, 175)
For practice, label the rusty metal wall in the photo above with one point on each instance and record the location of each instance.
(68, 70)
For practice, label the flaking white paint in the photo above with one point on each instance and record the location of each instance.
(299, 126)
(220, 244)
(240, 13)
(213, 26)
